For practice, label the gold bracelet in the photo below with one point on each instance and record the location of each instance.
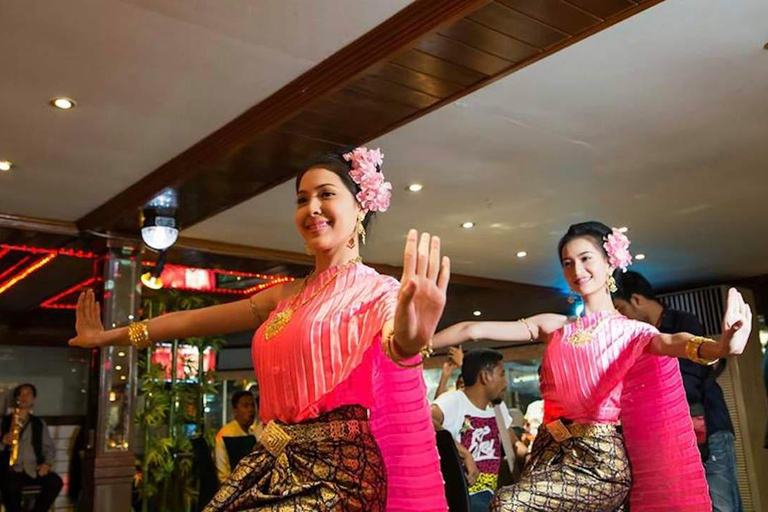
(427, 351)
(390, 351)
(138, 334)
(530, 331)
(692, 350)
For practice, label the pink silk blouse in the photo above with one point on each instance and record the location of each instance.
(330, 355)
(614, 379)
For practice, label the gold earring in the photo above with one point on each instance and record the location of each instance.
(611, 283)
(360, 229)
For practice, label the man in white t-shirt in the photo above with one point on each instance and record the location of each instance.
(469, 416)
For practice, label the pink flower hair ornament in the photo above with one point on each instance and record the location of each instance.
(375, 193)
(617, 246)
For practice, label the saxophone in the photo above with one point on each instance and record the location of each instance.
(15, 432)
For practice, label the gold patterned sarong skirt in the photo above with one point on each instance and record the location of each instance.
(329, 463)
(580, 468)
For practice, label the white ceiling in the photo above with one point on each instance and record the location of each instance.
(151, 78)
(658, 123)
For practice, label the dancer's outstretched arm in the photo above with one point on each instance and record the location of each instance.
(242, 315)
(535, 328)
(737, 325)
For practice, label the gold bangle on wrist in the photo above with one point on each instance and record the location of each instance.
(390, 351)
(528, 326)
(427, 351)
(693, 348)
(138, 334)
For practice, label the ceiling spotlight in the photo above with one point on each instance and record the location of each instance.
(118, 367)
(522, 254)
(623, 229)
(640, 257)
(5, 165)
(152, 279)
(63, 103)
(121, 354)
(415, 187)
(123, 377)
(158, 228)
(468, 225)
(477, 313)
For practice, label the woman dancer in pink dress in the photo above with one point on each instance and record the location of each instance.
(600, 371)
(336, 355)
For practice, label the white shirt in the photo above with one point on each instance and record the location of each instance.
(476, 430)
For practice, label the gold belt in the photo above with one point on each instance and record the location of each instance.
(560, 431)
(276, 437)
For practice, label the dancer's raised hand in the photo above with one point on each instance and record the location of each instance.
(88, 324)
(422, 291)
(737, 324)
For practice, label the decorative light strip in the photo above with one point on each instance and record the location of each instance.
(272, 280)
(60, 252)
(27, 271)
(4, 252)
(10, 270)
(51, 302)
(263, 286)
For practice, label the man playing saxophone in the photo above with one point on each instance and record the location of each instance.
(36, 451)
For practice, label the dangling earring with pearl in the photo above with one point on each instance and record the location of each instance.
(358, 231)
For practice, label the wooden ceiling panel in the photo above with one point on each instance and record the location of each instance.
(493, 42)
(463, 54)
(395, 73)
(392, 92)
(555, 13)
(604, 8)
(427, 55)
(439, 68)
(518, 25)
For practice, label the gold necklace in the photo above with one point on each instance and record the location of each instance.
(281, 319)
(581, 336)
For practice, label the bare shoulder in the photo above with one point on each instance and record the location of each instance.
(550, 322)
(267, 300)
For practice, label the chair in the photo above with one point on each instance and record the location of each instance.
(205, 470)
(456, 490)
(238, 447)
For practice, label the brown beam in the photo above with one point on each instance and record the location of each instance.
(395, 34)
(22, 222)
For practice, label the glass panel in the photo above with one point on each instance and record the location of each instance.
(118, 364)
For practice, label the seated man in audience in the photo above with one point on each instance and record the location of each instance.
(35, 455)
(469, 416)
(244, 410)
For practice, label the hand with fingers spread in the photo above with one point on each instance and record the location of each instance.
(737, 324)
(423, 288)
(88, 324)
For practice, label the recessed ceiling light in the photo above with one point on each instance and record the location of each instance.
(123, 377)
(640, 256)
(118, 367)
(5, 165)
(468, 225)
(623, 229)
(63, 103)
(121, 354)
(477, 313)
(522, 254)
(415, 187)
